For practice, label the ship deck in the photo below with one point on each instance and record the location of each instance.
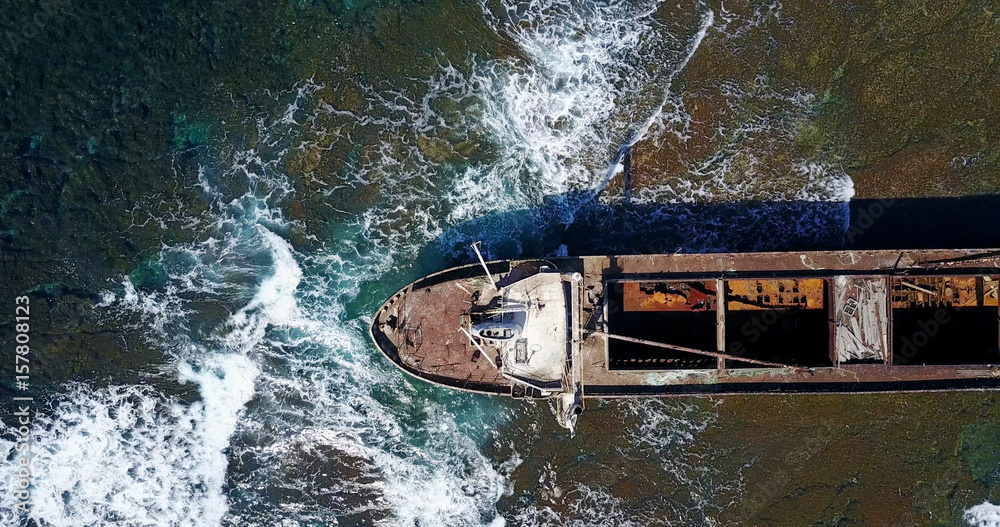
(839, 321)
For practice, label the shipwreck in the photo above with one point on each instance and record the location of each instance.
(575, 328)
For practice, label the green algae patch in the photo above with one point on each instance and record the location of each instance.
(150, 273)
(437, 150)
(190, 134)
(7, 200)
(977, 446)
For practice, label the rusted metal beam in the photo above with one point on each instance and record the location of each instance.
(917, 287)
(720, 320)
(702, 352)
(480, 348)
(961, 259)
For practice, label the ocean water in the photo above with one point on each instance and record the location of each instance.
(285, 414)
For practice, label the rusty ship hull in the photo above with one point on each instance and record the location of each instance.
(654, 325)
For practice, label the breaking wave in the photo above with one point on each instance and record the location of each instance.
(985, 514)
(131, 456)
(292, 410)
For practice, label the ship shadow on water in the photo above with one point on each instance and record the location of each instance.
(579, 224)
(966, 222)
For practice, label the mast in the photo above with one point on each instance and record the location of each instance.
(475, 247)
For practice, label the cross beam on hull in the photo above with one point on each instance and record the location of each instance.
(701, 352)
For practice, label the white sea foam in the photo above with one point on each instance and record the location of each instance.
(554, 117)
(985, 514)
(316, 379)
(586, 506)
(735, 27)
(130, 456)
(582, 90)
(324, 393)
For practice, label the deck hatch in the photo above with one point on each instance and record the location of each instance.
(778, 320)
(945, 320)
(678, 312)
